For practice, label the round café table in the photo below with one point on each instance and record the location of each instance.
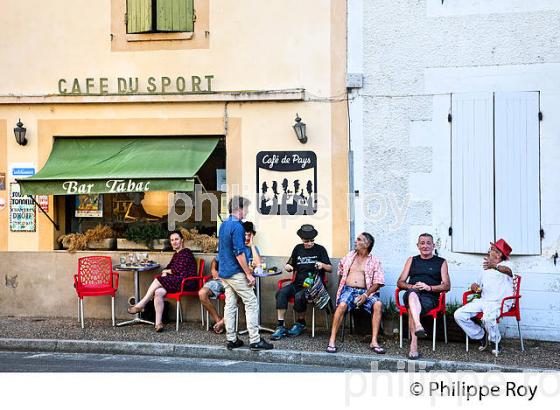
(258, 277)
(136, 269)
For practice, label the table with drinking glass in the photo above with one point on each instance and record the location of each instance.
(258, 276)
(136, 268)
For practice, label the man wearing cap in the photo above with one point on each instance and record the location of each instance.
(307, 259)
(493, 284)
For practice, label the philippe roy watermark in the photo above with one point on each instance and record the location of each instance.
(386, 208)
(412, 379)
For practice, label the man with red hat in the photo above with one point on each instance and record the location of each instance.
(493, 284)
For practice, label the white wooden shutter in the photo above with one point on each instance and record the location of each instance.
(472, 173)
(518, 218)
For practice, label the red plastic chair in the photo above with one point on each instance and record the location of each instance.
(95, 277)
(514, 311)
(281, 284)
(433, 313)
(221, 297)
(178, 295)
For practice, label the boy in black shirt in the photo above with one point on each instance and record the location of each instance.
(307, 258)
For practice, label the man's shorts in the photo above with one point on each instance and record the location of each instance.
(349, 294)
(427, 300)
(216, 287)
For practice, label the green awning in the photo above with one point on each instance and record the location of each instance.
(114, 165)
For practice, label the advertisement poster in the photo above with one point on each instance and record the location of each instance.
(89, 206)
(43, 201)
(22, 211)
(287, 182)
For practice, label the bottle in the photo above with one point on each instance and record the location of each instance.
(308, 282)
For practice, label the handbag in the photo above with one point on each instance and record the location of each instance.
(317, 294)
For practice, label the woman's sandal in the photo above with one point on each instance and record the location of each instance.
(134, 310)
(332, 349)
(159, 327)
(377, 349)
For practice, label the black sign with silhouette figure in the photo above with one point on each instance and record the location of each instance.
(287, 182)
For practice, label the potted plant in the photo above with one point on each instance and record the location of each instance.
(101, 237)
(143, 235)
(73, 241)
(198, 242)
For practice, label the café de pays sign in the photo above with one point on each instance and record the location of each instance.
(193, 84)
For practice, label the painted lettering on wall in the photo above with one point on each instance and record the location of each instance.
(287, 182)
(110, 186)
(193, 84)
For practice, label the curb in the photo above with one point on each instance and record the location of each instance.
(344, 361)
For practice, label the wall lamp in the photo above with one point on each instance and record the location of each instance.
(19, 133)
(299, 128)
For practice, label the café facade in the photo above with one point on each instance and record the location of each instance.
(117, 111)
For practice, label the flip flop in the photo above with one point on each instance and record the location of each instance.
(421, 333)
(414, 357)
(332, 349)
(377, 349)
(218, 329)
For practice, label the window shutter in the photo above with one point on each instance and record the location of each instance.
(139, 16)
(175, 15)
(472, 174)
(517, 171)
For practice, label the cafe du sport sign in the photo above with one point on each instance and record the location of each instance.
(193, 84)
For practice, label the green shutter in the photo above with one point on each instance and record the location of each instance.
(175, 15)
(139, 16)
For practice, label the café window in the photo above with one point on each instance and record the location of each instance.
(197, 210)
(159, 16)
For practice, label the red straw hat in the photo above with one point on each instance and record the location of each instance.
(503, 247)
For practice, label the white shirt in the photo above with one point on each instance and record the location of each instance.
(495, 285)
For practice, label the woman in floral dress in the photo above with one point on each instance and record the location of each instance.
(182, 265)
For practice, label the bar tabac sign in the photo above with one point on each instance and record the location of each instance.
(101, 186)
(194, 84)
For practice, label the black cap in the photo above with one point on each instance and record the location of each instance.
(249, 227)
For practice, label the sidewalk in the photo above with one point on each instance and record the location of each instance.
(65, 335)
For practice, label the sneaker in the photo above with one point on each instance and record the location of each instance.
(483, 342)
(234, 345)
(262, 345)
(279, 333)
(297, 329)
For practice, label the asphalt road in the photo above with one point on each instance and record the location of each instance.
(79, 362)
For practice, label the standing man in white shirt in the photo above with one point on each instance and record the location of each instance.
(493, 284)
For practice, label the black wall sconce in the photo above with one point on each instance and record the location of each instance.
(299, 128)
(19, 132)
